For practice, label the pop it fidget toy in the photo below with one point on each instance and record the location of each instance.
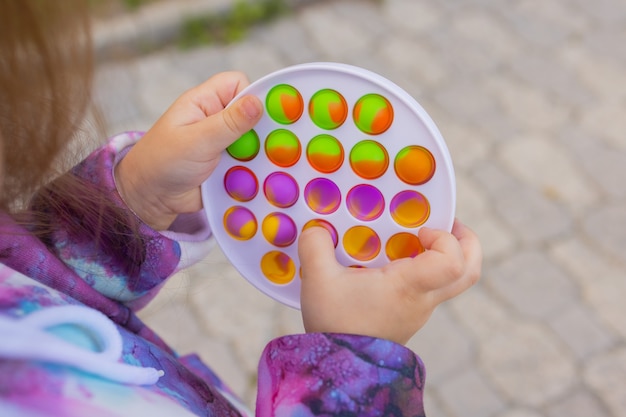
(338, 147)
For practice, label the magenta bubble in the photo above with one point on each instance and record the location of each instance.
(281, 189)
(365, 202)
(322, 196)
(240, 183)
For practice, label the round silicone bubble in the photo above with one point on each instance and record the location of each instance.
(338, 147)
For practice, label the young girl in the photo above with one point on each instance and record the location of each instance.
(82, 251)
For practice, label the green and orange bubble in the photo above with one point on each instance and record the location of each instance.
(284, 104)
(328, 109)
(369, 159)
(373, 114)
(283, 148)
(325, 153)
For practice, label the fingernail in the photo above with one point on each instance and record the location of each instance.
(251, 107)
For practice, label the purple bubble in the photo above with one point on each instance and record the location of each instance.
(281, 189)
(365, 202)
(240, 183)
(322, 195)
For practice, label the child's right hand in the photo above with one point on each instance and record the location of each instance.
(392, 302)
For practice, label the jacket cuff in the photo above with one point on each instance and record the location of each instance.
(335, 374)
(191, 230)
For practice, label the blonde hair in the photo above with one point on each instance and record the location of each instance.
(46, 68)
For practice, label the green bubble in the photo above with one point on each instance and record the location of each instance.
(246, 147)
(284, 104)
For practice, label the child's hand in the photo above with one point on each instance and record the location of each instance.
(160, 176)
(392, 302)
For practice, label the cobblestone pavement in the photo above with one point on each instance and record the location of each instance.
(531, 99)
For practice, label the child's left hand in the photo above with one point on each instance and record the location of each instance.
(160, 177)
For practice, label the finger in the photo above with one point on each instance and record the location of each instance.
(316, 251)
(226, 126)
(472, 254)
(472, 250)
(219, 90)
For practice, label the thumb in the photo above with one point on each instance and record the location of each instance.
(316, 251)
(228, 125)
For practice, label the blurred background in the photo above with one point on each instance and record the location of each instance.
(531, 99)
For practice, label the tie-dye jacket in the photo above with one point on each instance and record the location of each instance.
(299, 375)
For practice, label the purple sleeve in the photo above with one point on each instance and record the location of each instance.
(107, 245)
(333, 375)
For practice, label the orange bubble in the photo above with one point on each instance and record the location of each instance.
(278, 267)
(415, 165)
(409, 208)
(326, 225)
(403, 245)
(361, 243)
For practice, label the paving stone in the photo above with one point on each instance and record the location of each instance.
(533, 285)
(424, 16)
(603, 77)
(606, 375)
(468, 394)
(601, 280)
(606, 227)
(525, 210)
(291, 42)
(432, 405)
(526, 364)
(334, 37)
(414, 60)
(443, 345)
(606, 122)
(603, 164)
(525, 105)
(547, 27)
(467, 144)
(547, 72)
(582, 331)
(520, 412)
(481, 313)
(550, 169)
(579, 403)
